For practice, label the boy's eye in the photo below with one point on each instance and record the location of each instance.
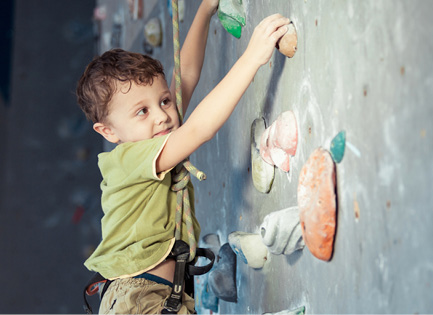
(165, 102)
(142, 111)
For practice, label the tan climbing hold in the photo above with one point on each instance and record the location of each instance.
(317, 203)
(288, 44)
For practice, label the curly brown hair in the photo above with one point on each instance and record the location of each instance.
(99, 81)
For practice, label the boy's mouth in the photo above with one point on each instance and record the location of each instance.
(163, 132)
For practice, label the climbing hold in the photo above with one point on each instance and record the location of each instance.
(338, 145)
(250, 248)
(263, 173)
(286, 132)
(280, 141)
(209, 300)
(222, 277)
(296, 311)
(78, 214)
(212, 241)
(281, 231)
(153, 32)
(135, 9)
(100, 13)
(317, 203)
(232, 16)
(288, 44)
(180, 8)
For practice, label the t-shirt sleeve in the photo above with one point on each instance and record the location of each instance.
(137, 159)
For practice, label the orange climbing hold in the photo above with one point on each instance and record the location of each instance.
(317, 204)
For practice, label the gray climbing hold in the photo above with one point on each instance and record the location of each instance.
(281, 231)
(222, 277)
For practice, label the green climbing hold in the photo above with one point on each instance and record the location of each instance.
(299, 310)
(338, 145)
(232, 16)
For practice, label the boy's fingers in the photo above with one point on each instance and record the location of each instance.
(276, 23)
(271, 19)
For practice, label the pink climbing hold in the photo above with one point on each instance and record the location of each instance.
(317, 203)
(280, 141)
(264, 151)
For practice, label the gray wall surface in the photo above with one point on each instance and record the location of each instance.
(361, 66)
(364, 67)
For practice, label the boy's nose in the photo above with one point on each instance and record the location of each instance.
(160, 116)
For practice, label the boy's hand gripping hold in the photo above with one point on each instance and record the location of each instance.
(210, 115)
(265, 37)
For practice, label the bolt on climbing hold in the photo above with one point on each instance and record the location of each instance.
(280, 141)
(212, 241)
(180, 8)
(209, 300)
(296, 311)
(231, 14)
(288, 44)
(153, 32)
(317, 203)
(263, 173)
(249, 247)
(135, 9)
(281, 231)
(338, 146)
(222, 277)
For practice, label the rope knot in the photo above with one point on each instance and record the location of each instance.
(180, 178)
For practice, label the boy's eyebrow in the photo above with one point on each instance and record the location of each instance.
(137, 105)
(142, 102)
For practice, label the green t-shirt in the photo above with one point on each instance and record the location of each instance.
(139, 211)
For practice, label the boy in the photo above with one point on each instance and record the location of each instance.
(128, 99)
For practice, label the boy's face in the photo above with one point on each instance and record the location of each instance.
(143, 112)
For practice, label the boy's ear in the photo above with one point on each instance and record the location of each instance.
(106, 132)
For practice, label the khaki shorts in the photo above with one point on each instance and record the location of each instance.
(140, 296)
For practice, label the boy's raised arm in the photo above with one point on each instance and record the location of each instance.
(216, 108)
(193, 51)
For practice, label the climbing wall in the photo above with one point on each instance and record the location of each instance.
(361, 68)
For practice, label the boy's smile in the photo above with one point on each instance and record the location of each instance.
(139, 112)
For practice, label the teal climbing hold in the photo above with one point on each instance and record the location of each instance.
(338, 146)
(232, 16)
(209, 300)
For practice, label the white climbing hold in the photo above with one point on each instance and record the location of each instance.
(153, 32)
(249, 247)
(281, 231)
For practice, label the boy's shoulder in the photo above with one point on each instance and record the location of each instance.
(132, 157)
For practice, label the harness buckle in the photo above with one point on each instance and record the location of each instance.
(180, 252)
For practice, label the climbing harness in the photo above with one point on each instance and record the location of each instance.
(182, 253)
(183, 271)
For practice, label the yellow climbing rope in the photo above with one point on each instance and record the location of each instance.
(185, 168)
